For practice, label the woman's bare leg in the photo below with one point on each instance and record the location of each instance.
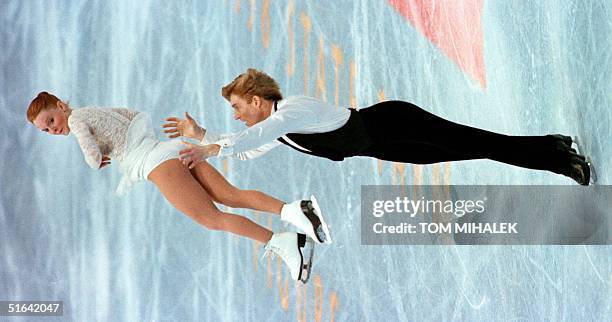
(180, 188)
(225, 193)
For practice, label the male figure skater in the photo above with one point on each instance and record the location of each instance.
(392, 130)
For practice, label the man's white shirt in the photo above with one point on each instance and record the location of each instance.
(295, 114)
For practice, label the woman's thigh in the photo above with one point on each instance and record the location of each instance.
(180, 188)
(214, 183)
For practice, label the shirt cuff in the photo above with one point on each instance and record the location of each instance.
(225, 152)
(226, 147)
(210, 137)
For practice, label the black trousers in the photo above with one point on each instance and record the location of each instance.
(404, 132)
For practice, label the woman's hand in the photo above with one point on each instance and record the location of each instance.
(105, 161)
(195, 154)
(187, 127)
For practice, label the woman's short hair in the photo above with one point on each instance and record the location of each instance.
(253, 82)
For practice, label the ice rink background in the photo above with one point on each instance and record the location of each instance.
(65, 236)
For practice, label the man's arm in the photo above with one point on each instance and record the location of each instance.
(287, 120)
(194, 154)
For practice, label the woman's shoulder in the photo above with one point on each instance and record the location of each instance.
(97, 110)
(85, 110)
(85, 114)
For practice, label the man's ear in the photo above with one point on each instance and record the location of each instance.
(256, 101)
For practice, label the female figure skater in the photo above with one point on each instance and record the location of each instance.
(126, 135)
(392, 130)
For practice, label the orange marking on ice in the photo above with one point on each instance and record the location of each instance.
(265, 23)
(441, 192)
(301, 301)
(283, 286)
(333, 305)
(237, 6)
(291, 63)
(256, 245)
(318, 299)
(454, 26)
(435, 174)
(381, 95)
(269, 259)
(225, 165)
(417, 174)
(307, 27)
(251, 14)
(321, 88)
(398, 173)
(352, 72)
(338, 61)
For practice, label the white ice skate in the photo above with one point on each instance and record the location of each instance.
(306, 215)
(296, 250)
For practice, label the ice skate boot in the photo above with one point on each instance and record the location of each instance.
(578, 145)
(564, 143)
(567, 140)
(296, 250)
(580, 171)
(306, 215)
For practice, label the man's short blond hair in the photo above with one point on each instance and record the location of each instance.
(253, 82)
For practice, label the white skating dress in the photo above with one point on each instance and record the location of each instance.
(124, 135)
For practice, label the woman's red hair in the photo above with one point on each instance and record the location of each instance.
(42, 102)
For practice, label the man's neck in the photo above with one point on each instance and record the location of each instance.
(267, 107)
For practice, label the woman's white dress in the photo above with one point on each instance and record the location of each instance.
(124, 135)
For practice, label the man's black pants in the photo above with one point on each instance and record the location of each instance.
(404, 132)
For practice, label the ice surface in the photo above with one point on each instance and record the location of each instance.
(65, 236)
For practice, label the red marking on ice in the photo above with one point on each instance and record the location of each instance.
(454, 26)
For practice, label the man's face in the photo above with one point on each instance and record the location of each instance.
(249, 113)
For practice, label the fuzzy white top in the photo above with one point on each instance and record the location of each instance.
(101, 131)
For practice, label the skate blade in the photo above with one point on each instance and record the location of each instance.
(578, 148)
(307, 265)
(593, 178)
(327, 238)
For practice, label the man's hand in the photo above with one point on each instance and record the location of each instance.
(187, 127)
(105, 161)
(194, 154)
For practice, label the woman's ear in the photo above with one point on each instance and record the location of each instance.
(62, 106)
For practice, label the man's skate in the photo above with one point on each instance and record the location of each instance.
(579, 150)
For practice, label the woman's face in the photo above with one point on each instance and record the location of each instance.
(53, 120)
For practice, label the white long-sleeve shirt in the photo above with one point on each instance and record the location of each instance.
(295, 114)
(101, 131)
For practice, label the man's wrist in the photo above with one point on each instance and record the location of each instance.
(200, 132)
(216, 149)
